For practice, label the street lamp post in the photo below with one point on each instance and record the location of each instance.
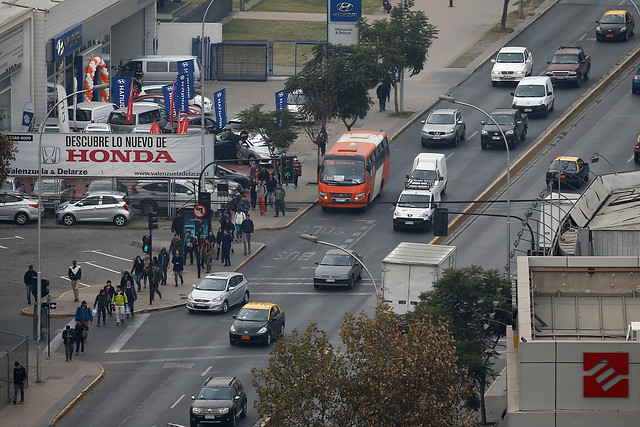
(506, 145)
(204, 74)
(314, 239)
(38, 286)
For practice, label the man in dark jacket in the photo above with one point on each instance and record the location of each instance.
(247, 231)
(177, 225)
(176, 245)
(75, 274)
(109, 291)
(30, 281)
(227, 240)
(101, 302)
(132, 296)
(163, 264)
(178, 267)
(69, 340)
(79, 332)
(19, 380)
(190, 245)
(155, 277)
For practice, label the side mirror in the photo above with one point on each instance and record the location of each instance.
(193, 398)
(80, 203)
(407, 176)
(316, 263)
(550, 93)
(236, 398)
(190, 192)
(518, 121)
(194, 286)
(548, 62)
(423, 121)
(234, 316)
(597, 22)
(231, 288)
(368, 168)
(493, 61)
(395, 203)
(511, 93)
(440, 178)
(482, 122)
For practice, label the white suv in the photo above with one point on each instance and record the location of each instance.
(414, 209)
(512, 64)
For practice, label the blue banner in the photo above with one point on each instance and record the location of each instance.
(220, 108)
(182, 91)
(345, 10)
(281, 100)
(186, 68)
(166, 92)
(121, 89)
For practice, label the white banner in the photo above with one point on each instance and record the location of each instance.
(111, 155)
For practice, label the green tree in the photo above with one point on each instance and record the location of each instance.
(475, 305)
(276, 127)
(8, 152)
(383, 377)
(400, 42)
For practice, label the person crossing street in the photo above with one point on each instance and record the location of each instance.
(119, 301)
(155, 278)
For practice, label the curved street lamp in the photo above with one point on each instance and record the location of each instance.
(314, 239)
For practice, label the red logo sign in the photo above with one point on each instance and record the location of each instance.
(605, 374)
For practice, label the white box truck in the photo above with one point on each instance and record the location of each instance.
(410, 269)
(553, 210)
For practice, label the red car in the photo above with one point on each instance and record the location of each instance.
(159, 99)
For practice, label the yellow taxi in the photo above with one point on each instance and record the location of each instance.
(568, 170)
(257, 322)
(615, 25)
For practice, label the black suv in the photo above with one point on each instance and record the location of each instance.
(220, 400)
(512, 122)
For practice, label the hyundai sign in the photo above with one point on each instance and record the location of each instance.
(341, 21)
(66, 42)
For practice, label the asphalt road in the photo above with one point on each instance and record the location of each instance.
(154, 369)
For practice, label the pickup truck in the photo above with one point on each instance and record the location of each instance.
(513, 123)
(569, 64)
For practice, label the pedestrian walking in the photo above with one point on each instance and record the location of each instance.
(206, 254)
(19, 380)
(177, 225)
(84, 314)
(137, 270)
(247, 231)
(227, 241)
(69, 340)
(75, 274)
(176, 244)
(322, 140)
(271, 185)
(119, 301)
(263, 174)
(81, 332)
(101, 302)
(163, 263)
(126, 278)
(253, 171)
(279, 194)
(109, 292)
(132, 296)
(178, 267)
(261, 193)
(252, 193)
(30, 282)
(244, 205)
(238, 217)
(155, 278)
(383, 94)
(146, 262)
(219, 237)
(297, 171)
(189, 247)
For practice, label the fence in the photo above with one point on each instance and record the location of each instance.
(13, 348)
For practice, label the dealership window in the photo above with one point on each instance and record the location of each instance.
(5, 104)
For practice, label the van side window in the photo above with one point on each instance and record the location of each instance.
(156, 67)
(173, 67)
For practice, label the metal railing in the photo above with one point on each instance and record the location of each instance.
(12, 348)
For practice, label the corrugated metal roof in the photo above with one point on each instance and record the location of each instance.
(419, 253)
(620, 211)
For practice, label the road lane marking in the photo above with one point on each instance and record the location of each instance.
(181, 359)
(128, 333)
(139, 350)
(206, 371)
(4, 247)
(177, 401)
(361, 236)
(584, 35)
(472, 135)
(109, 255)
(104, 268)
(346, 294)
(630, 159)
(11, 237)
(80, 283)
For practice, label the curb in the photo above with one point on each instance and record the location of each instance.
(79, 396)
(294, 219)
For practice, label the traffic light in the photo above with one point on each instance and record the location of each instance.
(153, 220)
(287, 169)
(440, 222)
(44, 289)
(198, 225)
(146, 244)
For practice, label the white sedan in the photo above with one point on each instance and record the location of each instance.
(197, 100)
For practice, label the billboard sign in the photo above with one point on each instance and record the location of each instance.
(606, 374)
(341, 21)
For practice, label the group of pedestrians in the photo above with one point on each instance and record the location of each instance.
(266, 188)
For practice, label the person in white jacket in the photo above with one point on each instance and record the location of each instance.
(238, 218)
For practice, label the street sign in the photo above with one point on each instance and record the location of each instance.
(51, 305)
(199, 211)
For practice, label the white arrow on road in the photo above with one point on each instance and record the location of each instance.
(13, 237)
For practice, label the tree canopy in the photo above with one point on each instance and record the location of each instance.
(276, 127)
(381, 377)
(475, 304)
(8, 152)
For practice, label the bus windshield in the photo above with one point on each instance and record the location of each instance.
(342, 170)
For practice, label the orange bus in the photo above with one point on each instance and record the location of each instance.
(354, 170)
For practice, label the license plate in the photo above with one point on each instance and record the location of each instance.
(200, 306)
(340, 200)
(495, 137)
(246, 337)
(209, 417)
(609, 35)
(409, 222)
(528, 110)
(330, 280)
(436, 137)
(557, 78)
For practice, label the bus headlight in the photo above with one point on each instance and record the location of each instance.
(358, 196)
(322, 195)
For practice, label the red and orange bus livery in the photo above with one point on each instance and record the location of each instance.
(354, 170)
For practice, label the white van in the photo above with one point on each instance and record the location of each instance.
(429, 171)
(144, 113)
(414, 209)
(534, 95)
(84, 113)
(159, 69)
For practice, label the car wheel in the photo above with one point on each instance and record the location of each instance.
(634, 91)
(21, 218)
(193, 423)
(464, 135)
(483, 145)
(244, 410)
(359, 276)
(553, 105)
(626, 36)
(456, 140)
(512, 144)
(232, 419)
(68, 220)
(225, 307)
(494, 83)
(545, 112)
(245, 300)
(586, 75)
(316, 286)
(636, 159)
(579, 80)
(324, 208)
(350, 285)
(267, 341)
(281, 334)
(427, 225)
(120, 220)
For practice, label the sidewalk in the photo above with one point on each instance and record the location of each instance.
(459, 27)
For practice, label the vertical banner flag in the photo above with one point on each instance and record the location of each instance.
(186, 68)
(130, 104)
(182, 89)
(167, 91)
(155, 128)
(121, 90)
(63, 111)
(281, 100)
(220, 108)
(184, 125)
(27, 117)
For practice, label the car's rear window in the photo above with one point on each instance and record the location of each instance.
(118, 118)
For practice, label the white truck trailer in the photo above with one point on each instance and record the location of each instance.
(410, 269)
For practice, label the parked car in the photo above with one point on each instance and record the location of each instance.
(513, 123)
(12, 184)
(615, 25)
(218, 292)
(197, 99)
(100, 206)
(257, 322)
(241, 178)
(569, 170)
(144, 113)
(18, 208)
(512, 64)
(85, 113)
(635, 83)
(443, 126)
(195, 124)
(159, 100)
(569, 65)
(337, 268)
(105, 185)
(220, 400)
(97, 128)
(54, 191)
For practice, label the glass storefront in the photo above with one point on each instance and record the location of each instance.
(5, 104)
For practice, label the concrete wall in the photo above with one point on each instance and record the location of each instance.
(174, 38)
